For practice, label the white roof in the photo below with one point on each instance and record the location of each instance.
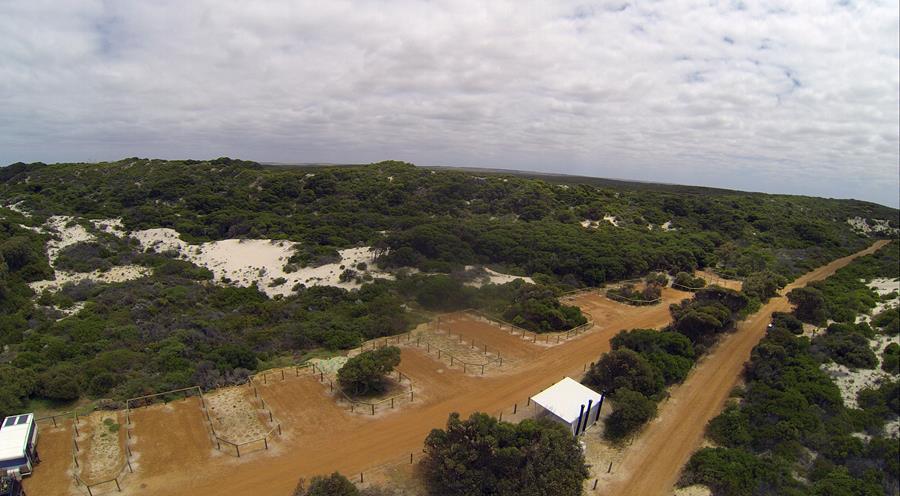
(14, 437)
(565, 398)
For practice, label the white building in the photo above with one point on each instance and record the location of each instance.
(18, 440)
(570, 403)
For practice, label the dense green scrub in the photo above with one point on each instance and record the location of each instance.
(643, 362)
(175, 328)
(437, 220)
(483, 456)
(788, 430)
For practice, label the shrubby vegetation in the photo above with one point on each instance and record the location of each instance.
(644, 361)
(483, 456)
(789, 431)
(685, 281)
(846, 294)
(847, 344)
(365, 374)
(174, 329)
(441, 220)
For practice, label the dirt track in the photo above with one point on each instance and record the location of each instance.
(678, 430)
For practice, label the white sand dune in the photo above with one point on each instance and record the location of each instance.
(68, 232)
(260, 262)
(119, 273)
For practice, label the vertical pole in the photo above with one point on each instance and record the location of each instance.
(595, 485)
(117, 484)
(410, 458)
(610, 468)
(515, 408)
(578, 424)
(282, 374)
(266, 442)
(587, 415)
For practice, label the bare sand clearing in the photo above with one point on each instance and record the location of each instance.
(260, 262)
(678, 431)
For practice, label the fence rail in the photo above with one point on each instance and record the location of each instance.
(370, 406)
(125, 463)
(631, 301)
(275, 425)
(548, 336)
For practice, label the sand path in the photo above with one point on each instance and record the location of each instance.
(678, 431)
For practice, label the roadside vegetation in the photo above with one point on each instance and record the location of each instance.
(789, 430)
(484, 456)
(644, 362)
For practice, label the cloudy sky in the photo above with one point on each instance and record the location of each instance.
(799, 98)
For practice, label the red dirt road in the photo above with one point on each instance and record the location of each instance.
(651, 466)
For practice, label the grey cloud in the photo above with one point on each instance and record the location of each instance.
(801, 99)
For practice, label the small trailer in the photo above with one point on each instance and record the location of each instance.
(18, 445)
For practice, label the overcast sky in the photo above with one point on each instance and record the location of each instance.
(800, 98)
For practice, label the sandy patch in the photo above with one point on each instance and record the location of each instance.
(869, 226)
(260, 262)
(852, 381)
(495, 277)
(116, 274)
(103, 456)
(594, 224)
(69, 233)
(695, 490)
(17, 207)
(111, 226)
(233, 415)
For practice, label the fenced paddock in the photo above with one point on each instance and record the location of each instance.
(547, 338)
(240, 420)
(100, 462)
(153, 421)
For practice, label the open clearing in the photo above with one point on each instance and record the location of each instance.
(175, 455)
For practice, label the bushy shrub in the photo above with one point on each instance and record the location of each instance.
(631, 410)
(482, 456)
(624, 369)
(846, 346)
(684, 280)
(365, 373)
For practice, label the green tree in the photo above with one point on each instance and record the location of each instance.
(365, 373)
(631, 410)
(810, 304)
(624, 368)
(483, 456)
